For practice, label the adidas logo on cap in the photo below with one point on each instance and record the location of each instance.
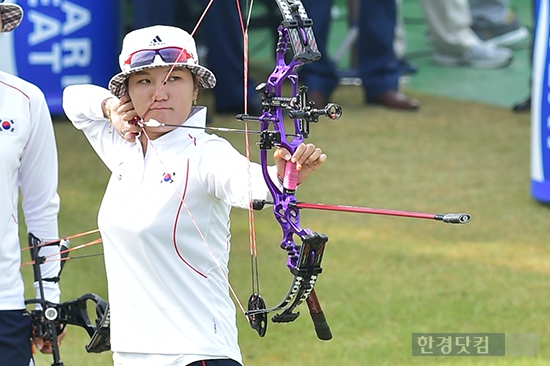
(156, 42)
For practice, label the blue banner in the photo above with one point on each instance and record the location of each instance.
(540, 108)
(63, 42)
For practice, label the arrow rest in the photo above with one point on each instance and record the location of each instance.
(269, 139)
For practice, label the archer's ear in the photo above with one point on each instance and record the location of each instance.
(196, 83)
(196, 88)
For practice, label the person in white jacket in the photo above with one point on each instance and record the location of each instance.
(164, 218)
(28, 165)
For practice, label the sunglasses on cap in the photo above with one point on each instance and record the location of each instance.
(168, 55)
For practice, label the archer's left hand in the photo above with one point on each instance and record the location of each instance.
(308, 157)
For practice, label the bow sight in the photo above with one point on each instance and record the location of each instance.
(298, 107)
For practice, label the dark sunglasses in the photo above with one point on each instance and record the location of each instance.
(168, 55)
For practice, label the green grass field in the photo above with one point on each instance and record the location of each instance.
(384, 277)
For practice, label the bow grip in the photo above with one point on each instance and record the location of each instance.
(290, 181)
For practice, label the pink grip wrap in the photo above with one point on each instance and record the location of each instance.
(290, 181)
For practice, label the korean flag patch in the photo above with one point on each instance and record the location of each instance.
(8, 127)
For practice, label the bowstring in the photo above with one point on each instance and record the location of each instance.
(254, 268)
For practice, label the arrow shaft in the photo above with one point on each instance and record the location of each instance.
(460, 218)
(365, 210)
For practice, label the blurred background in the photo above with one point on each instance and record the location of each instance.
(465, 150)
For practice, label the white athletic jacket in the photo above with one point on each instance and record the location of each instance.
(165, 225)
(28, 164)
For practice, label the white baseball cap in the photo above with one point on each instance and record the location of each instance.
(12, 14)
(158, 46)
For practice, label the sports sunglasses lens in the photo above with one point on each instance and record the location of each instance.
(170, 55)
(142, 58)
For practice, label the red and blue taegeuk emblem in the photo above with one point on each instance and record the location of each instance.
(167, 177)
(7, 126)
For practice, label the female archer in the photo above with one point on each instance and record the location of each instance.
(164, 218)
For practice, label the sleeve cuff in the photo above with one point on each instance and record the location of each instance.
(52, 292)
